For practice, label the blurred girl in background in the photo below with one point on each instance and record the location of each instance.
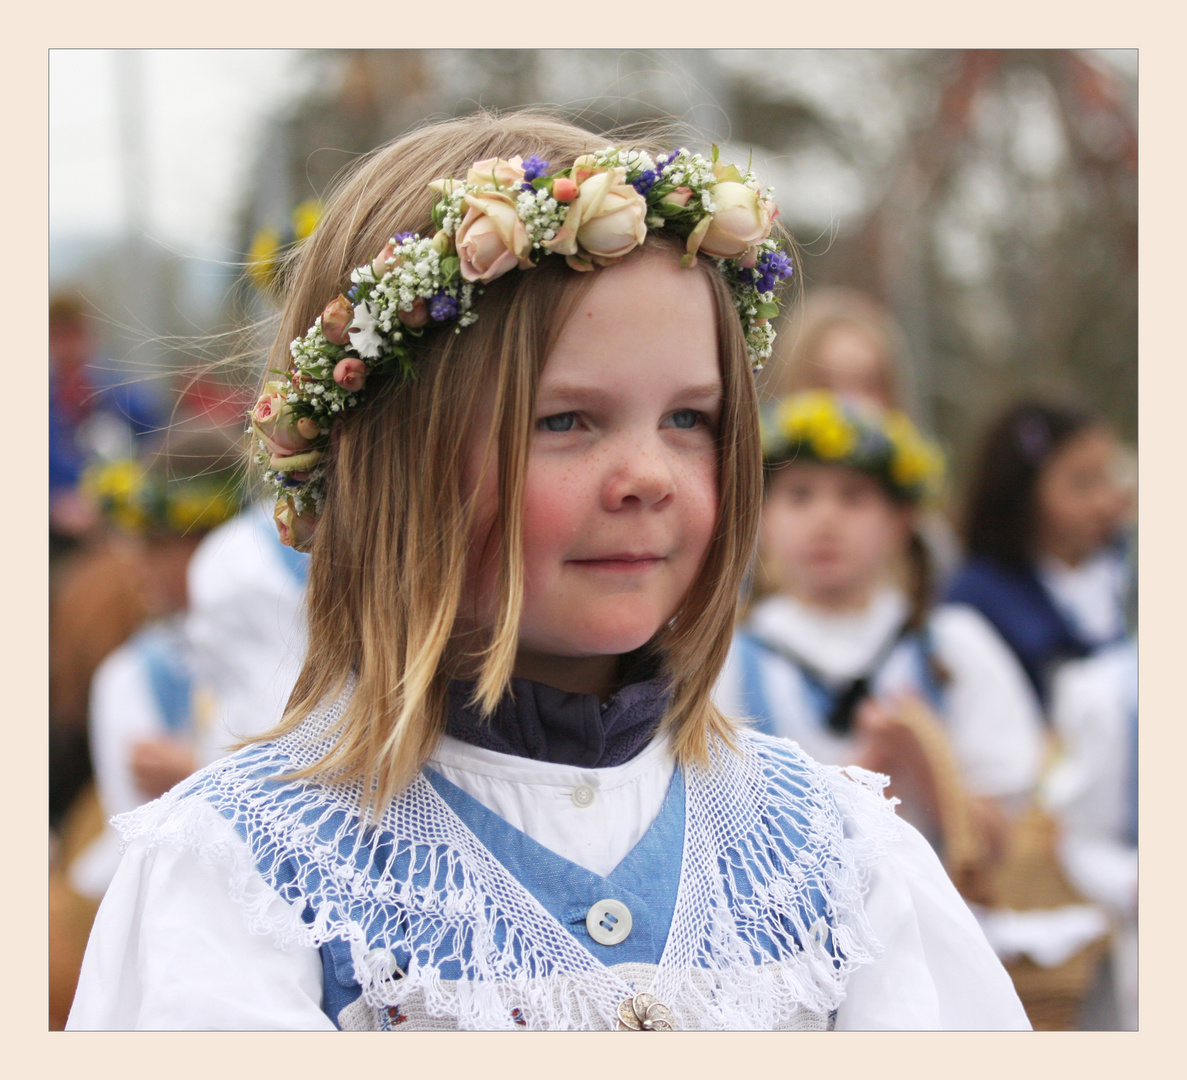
(143, 709)
(845, 341)
(836, 656)
(1046, 560)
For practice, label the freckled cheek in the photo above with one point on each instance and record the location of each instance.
(701, 503)
(554, 513)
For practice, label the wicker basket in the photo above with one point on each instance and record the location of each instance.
(1027, 876)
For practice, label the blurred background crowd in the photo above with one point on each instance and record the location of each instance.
(968, 227)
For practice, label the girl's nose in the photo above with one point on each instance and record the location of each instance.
(640, 474)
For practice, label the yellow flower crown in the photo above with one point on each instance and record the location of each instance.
(137, 501)
(818, 426)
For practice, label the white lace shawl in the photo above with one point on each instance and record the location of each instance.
(771, 840)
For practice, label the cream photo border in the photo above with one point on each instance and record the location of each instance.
(30, 1049)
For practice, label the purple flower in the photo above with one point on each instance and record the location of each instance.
(664, 160)
(533, 168)
(442, 306)
(352, 294)
(772, 266)
(645, 181)
(400, 237)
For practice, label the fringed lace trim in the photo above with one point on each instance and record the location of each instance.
(776, 863)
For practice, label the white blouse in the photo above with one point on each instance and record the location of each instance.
(245, 625)
(1088, 788)
(1091, 595)
(991, 714)
(171, 950)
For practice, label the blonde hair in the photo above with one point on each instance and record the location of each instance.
(794, 364)
(392, 544)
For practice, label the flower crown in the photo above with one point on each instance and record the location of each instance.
(818, 426)
(505, 215)
(137, 501)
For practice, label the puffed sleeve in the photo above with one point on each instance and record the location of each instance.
(994, 718)
(936, 971)
(170, 950)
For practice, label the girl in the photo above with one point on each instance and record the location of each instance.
(846, 341)
(1043, 524)
(501, 796)
(831, 650)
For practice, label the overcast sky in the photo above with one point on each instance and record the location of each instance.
(196, 114)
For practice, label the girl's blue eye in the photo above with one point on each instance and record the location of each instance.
(686, 418)
(557, 422)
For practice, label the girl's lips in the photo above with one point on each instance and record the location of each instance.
(619, 562)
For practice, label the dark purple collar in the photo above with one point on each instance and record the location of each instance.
(545, 724)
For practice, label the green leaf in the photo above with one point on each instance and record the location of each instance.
(767, 309)
(451, 267)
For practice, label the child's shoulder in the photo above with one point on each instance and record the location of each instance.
(777, 774)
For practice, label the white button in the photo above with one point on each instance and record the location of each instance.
(583, 795)
(608, 922)
(385, 960)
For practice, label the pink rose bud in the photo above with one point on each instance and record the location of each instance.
(267, 408)
(336, 319)
(308, 428)
(350, 374)
(418, 316)
(583, 168)
(563, 189)
(679, 196)
(379, 263)
(491, 239)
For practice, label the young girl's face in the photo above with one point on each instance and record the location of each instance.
(829, 533)
(621, 486)
(1080, 504)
